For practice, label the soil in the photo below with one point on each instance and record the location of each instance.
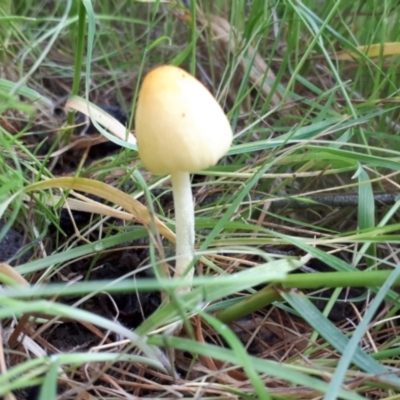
(13, 247)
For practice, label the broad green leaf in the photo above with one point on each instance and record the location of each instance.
(220, 287)
(366, 212)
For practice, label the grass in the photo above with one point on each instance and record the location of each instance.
(288, 301)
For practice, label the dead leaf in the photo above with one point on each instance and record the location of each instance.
(102, 117)
(109, 193)
(13, 274)
(373, 50)
(260, 73)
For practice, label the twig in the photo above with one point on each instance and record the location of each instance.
(336, 200)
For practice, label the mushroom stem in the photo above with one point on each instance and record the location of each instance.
(184, 217)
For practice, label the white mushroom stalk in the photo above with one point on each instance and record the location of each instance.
(184, 222)
(180, 129)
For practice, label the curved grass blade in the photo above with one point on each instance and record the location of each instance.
(352, 345)
(307, 310)
(107, 192)
(268, 367)
(121, 135)
(232, 340)
(11, 307)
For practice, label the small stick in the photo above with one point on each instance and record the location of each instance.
(335, 200)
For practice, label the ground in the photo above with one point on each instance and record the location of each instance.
(296, 227)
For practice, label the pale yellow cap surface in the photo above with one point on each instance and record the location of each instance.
(180, 127)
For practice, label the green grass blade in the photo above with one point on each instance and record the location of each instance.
(352, 345)
(336, 338)
(237, 347)
(366, 212)
(286, 372)
(49, 386)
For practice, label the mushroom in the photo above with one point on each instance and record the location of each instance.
(180, 129)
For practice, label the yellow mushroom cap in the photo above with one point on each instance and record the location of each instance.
(180, 127)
